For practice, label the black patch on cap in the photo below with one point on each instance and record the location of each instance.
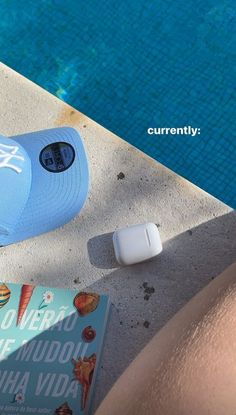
(57, 157)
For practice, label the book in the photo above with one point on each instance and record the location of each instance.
(50, 346)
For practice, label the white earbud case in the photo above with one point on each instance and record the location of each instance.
(137, 243)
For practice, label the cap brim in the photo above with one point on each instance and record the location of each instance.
(55, 198)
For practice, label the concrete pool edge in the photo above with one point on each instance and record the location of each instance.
(68, 115)
(198, 231)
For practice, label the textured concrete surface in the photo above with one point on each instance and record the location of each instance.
(199, 232)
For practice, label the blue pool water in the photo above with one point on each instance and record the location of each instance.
(139, 64)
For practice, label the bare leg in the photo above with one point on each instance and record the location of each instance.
(189, 367)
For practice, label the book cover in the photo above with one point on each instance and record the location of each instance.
(50, 345)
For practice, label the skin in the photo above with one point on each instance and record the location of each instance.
(189, 367)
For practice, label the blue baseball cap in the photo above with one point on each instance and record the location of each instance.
(44, 180)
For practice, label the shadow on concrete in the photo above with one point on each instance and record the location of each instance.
(188, 263)
(101, 252)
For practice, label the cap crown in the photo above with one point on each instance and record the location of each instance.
(15, 182)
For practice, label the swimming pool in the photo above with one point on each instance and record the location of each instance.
(137, 65)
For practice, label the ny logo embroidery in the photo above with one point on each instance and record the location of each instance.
(8, 154)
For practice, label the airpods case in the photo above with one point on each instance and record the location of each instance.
(136, 243)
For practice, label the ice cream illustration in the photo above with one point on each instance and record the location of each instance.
(83, 371)
(5, 294)
(63, 410)
(26, 294)
(85, 303)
